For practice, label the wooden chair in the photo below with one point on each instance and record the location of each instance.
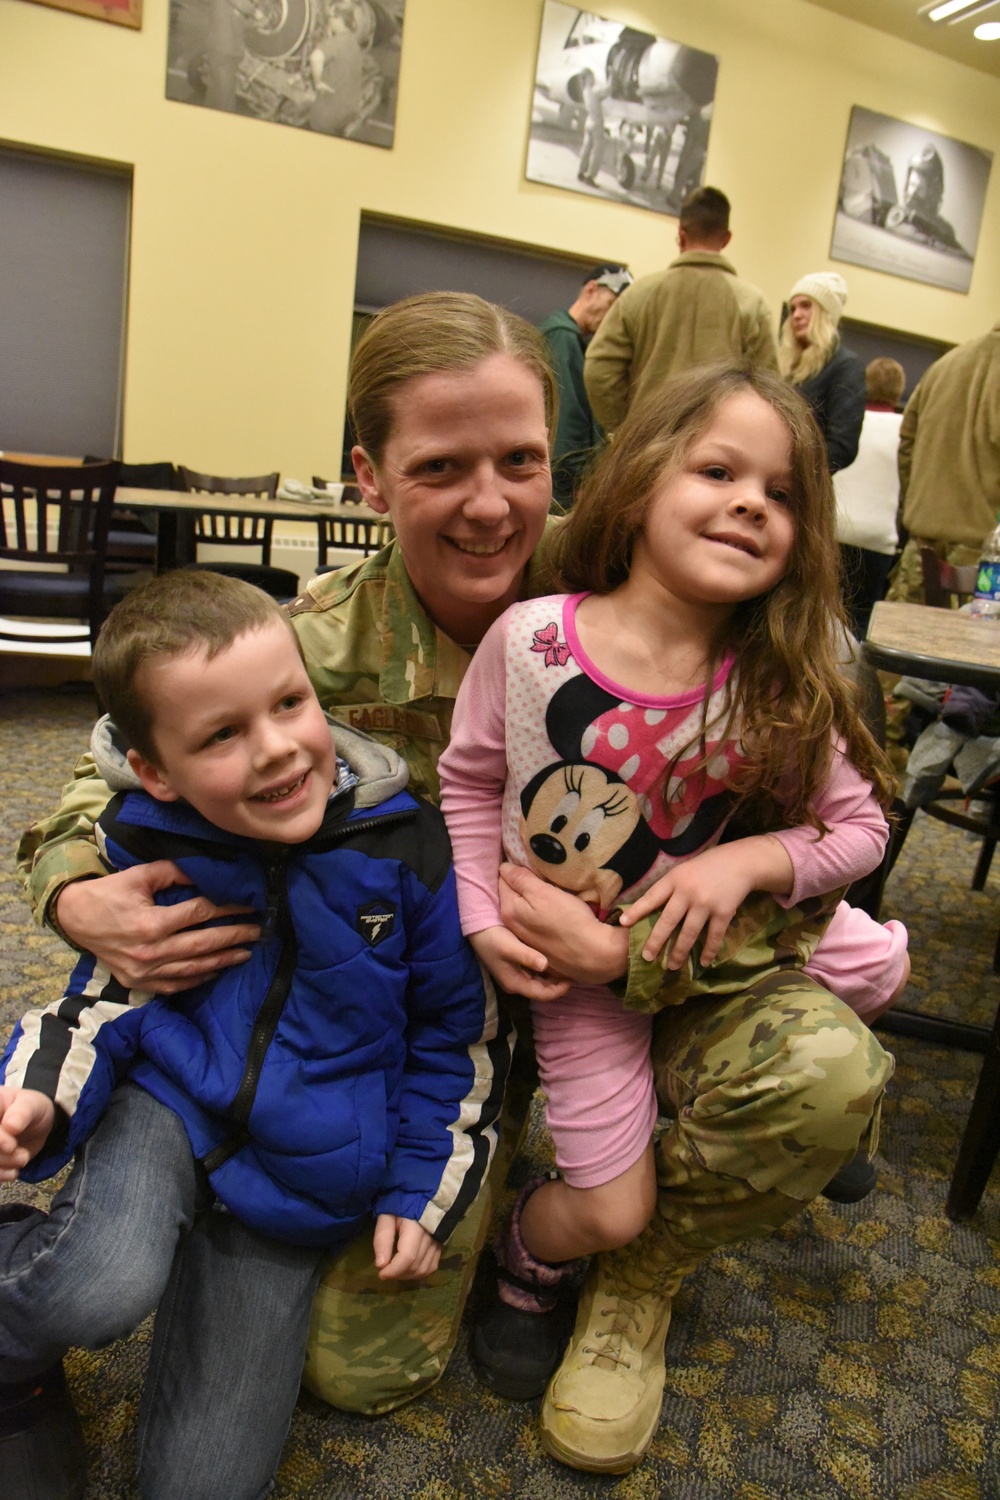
(241, 531)
(56, 517)
(946, 586)
(131, 536)
(365, 535)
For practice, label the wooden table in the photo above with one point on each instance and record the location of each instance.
(174, 548)
(941, 644)
(945, 645)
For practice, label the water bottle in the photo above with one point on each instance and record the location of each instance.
(986, 600)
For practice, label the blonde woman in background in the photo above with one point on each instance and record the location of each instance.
(812, 357)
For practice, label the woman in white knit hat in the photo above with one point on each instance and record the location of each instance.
(811, 356)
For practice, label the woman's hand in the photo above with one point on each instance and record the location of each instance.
(562, 928)
(145, 946)
(705, 893)
(515, 966)
(404, 1251)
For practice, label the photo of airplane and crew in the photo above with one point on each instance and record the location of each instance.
(618, 113)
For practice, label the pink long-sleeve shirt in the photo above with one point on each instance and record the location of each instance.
(586, 782)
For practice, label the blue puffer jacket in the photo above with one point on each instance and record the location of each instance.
(353, 1064)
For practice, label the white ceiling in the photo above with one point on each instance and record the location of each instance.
(901, 18)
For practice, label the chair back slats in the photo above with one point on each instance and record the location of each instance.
(365, 535)
(233, 531)
(73, 504)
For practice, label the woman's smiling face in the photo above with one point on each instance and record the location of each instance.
(465, 479)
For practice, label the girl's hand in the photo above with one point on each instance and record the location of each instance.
(562, 927)
(706, 891)
(515, 966)
(404, 1251)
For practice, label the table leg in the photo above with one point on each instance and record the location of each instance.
(981, 1138)
(934, 1029)
(175, 543)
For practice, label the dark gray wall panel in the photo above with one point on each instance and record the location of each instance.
(398, 260)
(64, 229)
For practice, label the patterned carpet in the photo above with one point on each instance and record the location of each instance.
(854, 1355)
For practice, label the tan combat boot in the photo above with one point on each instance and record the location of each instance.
(603, 1404)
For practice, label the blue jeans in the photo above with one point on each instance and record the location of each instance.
(133, 1230)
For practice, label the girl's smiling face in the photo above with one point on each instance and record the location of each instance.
(720, 528)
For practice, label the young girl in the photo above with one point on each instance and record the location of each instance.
(619, 734)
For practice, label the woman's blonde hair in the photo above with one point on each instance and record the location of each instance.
(433, 334)
(798, 364)
(788, 694)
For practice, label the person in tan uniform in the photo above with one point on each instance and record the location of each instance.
(695, 312)
(453, 403)
(949, 461)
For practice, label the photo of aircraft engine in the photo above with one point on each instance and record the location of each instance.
(324, 65)
(631, 108)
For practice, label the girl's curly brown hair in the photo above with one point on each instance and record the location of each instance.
(789, 695)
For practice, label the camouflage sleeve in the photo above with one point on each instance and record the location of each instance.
(763, 937)
(61, 848)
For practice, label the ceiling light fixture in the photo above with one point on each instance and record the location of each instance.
(988, 32)
(949, 8)
(975, 10)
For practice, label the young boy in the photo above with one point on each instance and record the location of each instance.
(229, 1137)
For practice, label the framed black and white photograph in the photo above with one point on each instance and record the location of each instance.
(910, 201)
(618, 113)
(326, 65)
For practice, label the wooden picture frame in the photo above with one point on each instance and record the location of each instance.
(618, 114)
(121, 12)
(910, 201)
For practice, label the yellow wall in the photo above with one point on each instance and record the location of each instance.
(244, 233)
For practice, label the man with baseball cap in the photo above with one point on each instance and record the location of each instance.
(567, 335)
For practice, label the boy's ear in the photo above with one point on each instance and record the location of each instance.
(152, 778)
(364, 471)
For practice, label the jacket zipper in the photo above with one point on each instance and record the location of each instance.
(267, 1018)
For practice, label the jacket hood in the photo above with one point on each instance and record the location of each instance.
(381, 772)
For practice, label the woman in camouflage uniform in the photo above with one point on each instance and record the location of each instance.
(771, 1088)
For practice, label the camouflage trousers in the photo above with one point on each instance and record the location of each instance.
(906, 581)
(771, 1088)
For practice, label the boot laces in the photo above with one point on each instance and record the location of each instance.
(623, 1311)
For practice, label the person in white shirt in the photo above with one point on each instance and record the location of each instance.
(868, 495)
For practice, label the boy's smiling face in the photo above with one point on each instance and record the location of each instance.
(241, 737)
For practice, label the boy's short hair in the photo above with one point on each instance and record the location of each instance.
(187, 610)
(885, 380)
